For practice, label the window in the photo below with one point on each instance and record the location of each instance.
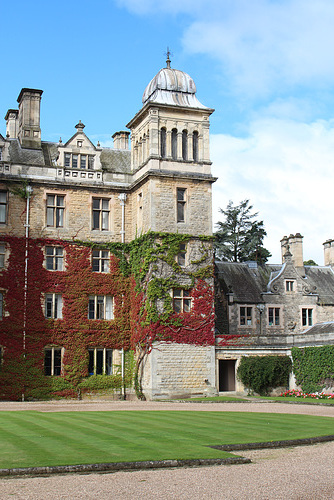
(54, 258)
(53, 306)
(163, 134)
(55, 206)
(52, 361)
(76, 160)
(181, 256)
(274, 316)
(245, 316)
(101, 307)
(307, 317)
(181, 300)
(100, 261)
(100, 361)
(3, 207)
(101, 214)
(195, 146)
(174, 144)
(184, 145)
(289, 286)
(181, 204)
(2, 255)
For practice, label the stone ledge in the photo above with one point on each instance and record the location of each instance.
(274, 444)
(118, 466)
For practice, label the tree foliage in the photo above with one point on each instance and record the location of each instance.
(240, 236)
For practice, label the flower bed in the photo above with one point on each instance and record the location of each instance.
(300, 394)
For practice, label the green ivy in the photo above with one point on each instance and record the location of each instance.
(313, 367)
(261, 373)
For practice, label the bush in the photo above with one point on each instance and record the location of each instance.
(313, 367)
(261, 373)
(101, 382)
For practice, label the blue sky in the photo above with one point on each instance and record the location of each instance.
(266, 66)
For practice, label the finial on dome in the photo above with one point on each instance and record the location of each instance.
(168, 53)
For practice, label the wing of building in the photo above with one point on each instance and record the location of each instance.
(262, 310)
(106, 251)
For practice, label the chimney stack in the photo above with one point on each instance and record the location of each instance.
(329, 253)
(121, 140)
(29, 132)
(295, 244)
(12, 123)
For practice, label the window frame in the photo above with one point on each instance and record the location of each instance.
(5, 205)
(55, 211)
(79, 161)
(290, 286)
(182, 300)
(94, 363)
(276, 315)
(246, 316)
(98, 214)
(181, 257)
(3, 255)
(100, 260)
(307, 316)
(101, 307)
(56, 259)
(181, 205)
(53, 306)
(53, 368)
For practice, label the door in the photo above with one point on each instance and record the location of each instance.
(227, 375)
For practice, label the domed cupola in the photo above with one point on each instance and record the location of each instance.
(172, 87)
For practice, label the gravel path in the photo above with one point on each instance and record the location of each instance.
(292, 473)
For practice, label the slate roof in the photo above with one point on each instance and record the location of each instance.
(248, 283)
(116, 160)
(319, 328)
(323, 279)
(112, 160)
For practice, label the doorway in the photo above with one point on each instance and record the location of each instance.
(227, 375)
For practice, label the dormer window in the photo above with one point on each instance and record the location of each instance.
(72, 160)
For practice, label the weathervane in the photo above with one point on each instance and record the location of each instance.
(168, 53)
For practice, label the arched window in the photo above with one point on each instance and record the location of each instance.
(195, 146)
(163, 134)
(184, 145)
(174, 144)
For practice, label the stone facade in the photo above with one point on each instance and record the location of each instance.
(59, 193)
(268, 309)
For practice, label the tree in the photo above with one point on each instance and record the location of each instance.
(240, 235)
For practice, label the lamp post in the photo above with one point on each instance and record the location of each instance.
(261, 309)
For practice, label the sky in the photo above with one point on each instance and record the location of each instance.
(265, 66)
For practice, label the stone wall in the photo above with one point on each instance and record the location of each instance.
(179, 370)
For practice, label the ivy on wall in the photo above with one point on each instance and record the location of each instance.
(140, 278)
(313, 367)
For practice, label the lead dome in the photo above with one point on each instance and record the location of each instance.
(172, 86)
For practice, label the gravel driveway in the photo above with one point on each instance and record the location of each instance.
(291, 473)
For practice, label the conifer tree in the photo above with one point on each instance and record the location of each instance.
(240, 236)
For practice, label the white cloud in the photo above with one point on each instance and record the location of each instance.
(285, 168)
(266, 46)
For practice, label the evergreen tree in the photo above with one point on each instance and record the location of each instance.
(240, 235)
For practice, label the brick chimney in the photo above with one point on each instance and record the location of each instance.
(329, 253)
(29, 132)
(121, 140)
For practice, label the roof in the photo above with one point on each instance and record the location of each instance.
(116, 160)
(248, 283)
(319, 328)
(172, 87)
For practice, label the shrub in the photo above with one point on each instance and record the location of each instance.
(261, 373)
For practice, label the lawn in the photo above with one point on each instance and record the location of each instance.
(31, 438)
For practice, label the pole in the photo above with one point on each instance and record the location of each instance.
(122, 199)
